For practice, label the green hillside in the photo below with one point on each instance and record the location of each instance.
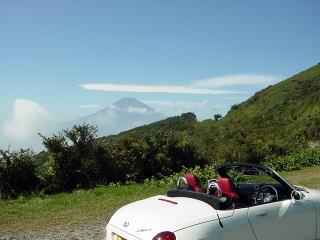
(282, 108)
(185, 121)
(277, 120)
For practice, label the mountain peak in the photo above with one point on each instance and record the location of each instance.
(126, 103)
(122, 115)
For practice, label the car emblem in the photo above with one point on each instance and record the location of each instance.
(126, 224)
(143, 230)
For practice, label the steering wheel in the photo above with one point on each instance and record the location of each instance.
(264, 196)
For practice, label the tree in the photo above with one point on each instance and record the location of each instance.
(18, 173)
(72, 159)
(189, 115)
(217, 116)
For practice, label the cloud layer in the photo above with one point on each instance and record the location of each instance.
(154, 89)
(90, 106)
(204, 86)
(233, 80)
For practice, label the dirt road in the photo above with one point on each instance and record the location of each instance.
(89, 232)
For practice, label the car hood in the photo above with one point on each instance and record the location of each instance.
(146, 218)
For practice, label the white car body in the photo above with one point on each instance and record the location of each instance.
(193, 219)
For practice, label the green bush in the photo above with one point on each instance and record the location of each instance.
(18, 173)
(75, 160)
(159, 153)
(302, 158)
(203, 173)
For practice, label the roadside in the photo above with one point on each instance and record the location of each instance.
(308, 177)
(92, 232)
(82, 215)
(77, 215)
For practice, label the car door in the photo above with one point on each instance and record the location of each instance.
(288, 219)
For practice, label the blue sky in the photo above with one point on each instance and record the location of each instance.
(58, 57)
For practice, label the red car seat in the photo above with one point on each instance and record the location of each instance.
(194, 183)
(227, 187)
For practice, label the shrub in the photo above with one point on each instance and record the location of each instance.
(18, 173)
(302, 158)
(204, 174)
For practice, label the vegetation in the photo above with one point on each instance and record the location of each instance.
(17, 173)
(275, 122)
(296, 161)
(77, 160)
(184, 122)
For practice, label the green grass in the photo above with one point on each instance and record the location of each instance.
(308, 177)
(40, 213)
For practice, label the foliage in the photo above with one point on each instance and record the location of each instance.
(73, 159)
(184, 122)
(17, 173)
(203, 173)
(276, 121)
(296, 161)
(157, 154)
(76, 159)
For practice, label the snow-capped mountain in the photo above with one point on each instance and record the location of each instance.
(125, 114)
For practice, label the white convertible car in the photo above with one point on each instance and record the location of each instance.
(246, 202)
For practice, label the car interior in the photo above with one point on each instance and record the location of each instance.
(241, 186)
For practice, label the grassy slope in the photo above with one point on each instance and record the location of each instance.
(308, 177)
(276, 114)
(279, 109)
(29, 216)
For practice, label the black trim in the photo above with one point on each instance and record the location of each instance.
(220, 169)
(223, 173)
(222, 203)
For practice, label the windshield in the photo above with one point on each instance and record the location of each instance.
(245, 175)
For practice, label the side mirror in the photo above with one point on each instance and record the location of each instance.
(297, 195)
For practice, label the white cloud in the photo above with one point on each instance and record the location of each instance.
(132, 109)
(154, 89)
(28, 119)
(203, 109)
(112, 106)
(90, 106)
(241, 79)
(204, 86)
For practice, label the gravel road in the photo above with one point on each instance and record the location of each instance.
(88, 232)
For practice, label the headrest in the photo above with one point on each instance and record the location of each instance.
(194, 182)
